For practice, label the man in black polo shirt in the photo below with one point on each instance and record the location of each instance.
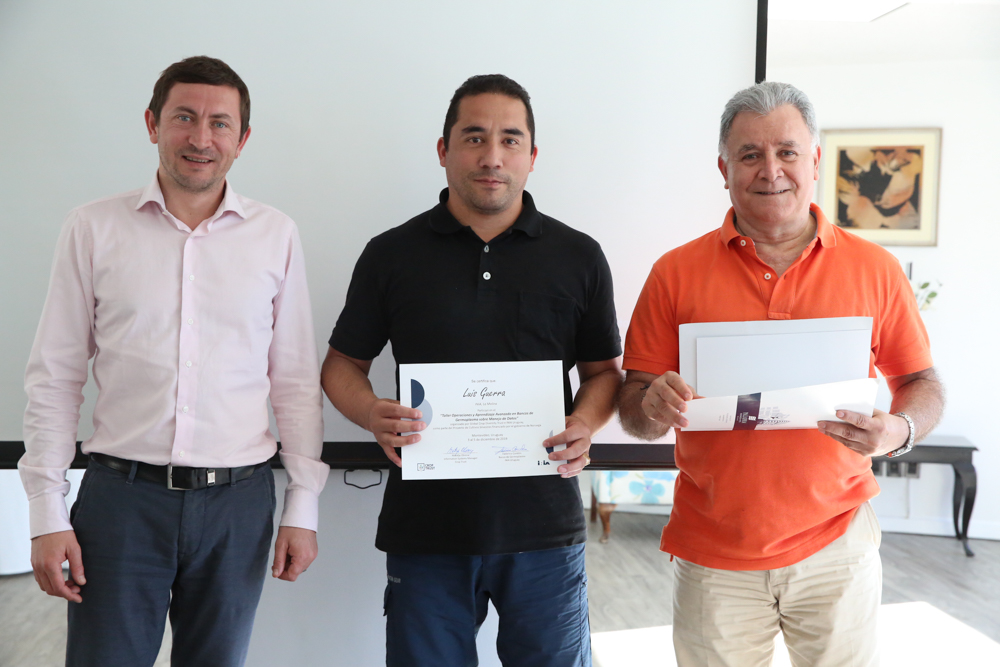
(482, 276)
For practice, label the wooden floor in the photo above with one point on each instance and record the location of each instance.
(630, 581)
(630, 587)
(33, 626)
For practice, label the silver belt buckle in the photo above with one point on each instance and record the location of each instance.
(170, 478)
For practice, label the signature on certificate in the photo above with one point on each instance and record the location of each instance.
(505, 449)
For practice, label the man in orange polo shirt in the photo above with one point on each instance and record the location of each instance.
(772, 530)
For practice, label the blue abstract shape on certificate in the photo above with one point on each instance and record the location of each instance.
(418, 400)
(416, 393)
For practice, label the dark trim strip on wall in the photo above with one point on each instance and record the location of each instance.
(761, 69)
(369, 456)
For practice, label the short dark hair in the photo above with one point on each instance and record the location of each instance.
(201, 69)
(488, 83)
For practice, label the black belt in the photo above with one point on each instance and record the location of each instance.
(180, 478)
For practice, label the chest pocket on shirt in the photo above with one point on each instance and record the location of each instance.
(546, 326)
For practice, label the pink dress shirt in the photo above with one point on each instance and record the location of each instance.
(190, 332)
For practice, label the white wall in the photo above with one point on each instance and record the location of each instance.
(348, 102)
(332, 615)
(962, 98)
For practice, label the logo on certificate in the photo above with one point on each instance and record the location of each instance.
(419, 401)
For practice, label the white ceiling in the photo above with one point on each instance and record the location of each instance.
(926, 30)
(830, 10)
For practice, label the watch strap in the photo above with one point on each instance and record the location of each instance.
(909, 441)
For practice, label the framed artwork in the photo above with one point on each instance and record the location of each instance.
(882, 184)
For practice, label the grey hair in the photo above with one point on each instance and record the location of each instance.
(762, 99)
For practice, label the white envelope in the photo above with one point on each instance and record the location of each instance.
(733, 358)
(799, 408)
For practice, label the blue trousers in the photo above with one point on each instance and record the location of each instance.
(435, 605)
(146, 549)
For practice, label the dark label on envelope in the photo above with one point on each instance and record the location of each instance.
(747, 410)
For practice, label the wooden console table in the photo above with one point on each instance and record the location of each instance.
(955, 451)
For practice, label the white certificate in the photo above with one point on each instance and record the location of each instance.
(799, 408)
(483, 419)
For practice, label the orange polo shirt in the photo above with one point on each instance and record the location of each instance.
(759, 500)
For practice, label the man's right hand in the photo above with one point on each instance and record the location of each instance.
(665, 400)
(48, 553)
(387, 419)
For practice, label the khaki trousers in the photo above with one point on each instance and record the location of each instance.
(826, 606)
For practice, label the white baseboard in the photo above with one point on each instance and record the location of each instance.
(980, 530)
(926, 526)
(984, 530)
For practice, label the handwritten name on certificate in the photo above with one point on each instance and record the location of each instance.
(483, 419)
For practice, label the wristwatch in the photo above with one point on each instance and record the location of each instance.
(909, 441)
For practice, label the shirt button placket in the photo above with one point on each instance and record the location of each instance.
(782, 295)
(187, 380)
(772, 288)
(485, 266)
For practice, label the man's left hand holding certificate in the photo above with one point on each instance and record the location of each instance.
(483, 419)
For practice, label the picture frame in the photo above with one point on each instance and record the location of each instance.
(882, 184)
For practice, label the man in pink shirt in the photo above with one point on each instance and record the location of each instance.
(192, 302)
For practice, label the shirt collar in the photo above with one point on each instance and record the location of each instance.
(153, 193)
(529, 221)
(824, 230)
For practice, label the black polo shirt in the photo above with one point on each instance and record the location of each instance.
(438, 293)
